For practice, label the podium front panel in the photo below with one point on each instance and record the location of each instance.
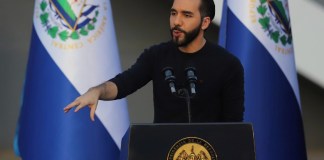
(219, 141)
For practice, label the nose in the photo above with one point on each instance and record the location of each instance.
(177, 20)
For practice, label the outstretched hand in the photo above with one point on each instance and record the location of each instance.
(90, 99)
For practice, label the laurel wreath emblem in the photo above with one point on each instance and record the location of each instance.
(65, 34)
(192, 148)
(273, 33)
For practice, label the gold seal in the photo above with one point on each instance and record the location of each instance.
(192, 148)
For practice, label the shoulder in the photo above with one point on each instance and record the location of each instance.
(218, 49)
(155, 51)
(222, 52)
(225, 56)
(161, 47)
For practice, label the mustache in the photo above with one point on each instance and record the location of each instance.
(178, 29)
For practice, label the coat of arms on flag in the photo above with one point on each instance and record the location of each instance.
(68, 18)
(275, 20)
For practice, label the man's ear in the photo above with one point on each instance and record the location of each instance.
(205, 23)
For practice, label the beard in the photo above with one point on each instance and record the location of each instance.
(189, 36)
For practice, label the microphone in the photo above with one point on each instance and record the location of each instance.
(192, 79)
(168, 73)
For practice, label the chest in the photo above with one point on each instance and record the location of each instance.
(207, 68)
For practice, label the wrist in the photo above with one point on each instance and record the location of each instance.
(96, 91)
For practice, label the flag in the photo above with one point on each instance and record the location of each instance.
(73, 47)
(258, 32)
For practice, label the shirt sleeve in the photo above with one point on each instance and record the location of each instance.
(233, 93)
(136, 76)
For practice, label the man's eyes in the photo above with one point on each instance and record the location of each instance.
(188, 15)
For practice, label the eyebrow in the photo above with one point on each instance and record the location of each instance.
(187, 12)
(184, 12)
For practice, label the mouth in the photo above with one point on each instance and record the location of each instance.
(176, 33)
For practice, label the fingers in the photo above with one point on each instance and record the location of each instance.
(79, 107)
(71, 105)
(81, 102)
(92, 112)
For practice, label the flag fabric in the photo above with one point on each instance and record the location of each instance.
(73, 47)
(258, 32)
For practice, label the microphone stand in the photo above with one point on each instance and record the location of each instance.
(184, 93)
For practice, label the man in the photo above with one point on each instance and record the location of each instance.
(219, 90)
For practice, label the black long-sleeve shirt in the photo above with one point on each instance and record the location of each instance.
(220, 88)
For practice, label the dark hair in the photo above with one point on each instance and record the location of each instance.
(207, 9)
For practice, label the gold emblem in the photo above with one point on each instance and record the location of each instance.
(192, 148)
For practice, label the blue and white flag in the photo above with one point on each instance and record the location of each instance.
(73, 48)
(258, 32)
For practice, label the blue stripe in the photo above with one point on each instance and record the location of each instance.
(124, 154)
(270, 102)
(45, 132)
(223, 26)
(84, 23)
(87, 12)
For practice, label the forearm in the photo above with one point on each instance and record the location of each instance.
(106, 91)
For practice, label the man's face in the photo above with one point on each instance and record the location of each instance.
(185, 21)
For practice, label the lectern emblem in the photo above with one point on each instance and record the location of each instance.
(192, 148)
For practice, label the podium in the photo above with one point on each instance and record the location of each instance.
(194, 141)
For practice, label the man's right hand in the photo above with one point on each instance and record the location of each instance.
(90, 99)
(104, 91)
